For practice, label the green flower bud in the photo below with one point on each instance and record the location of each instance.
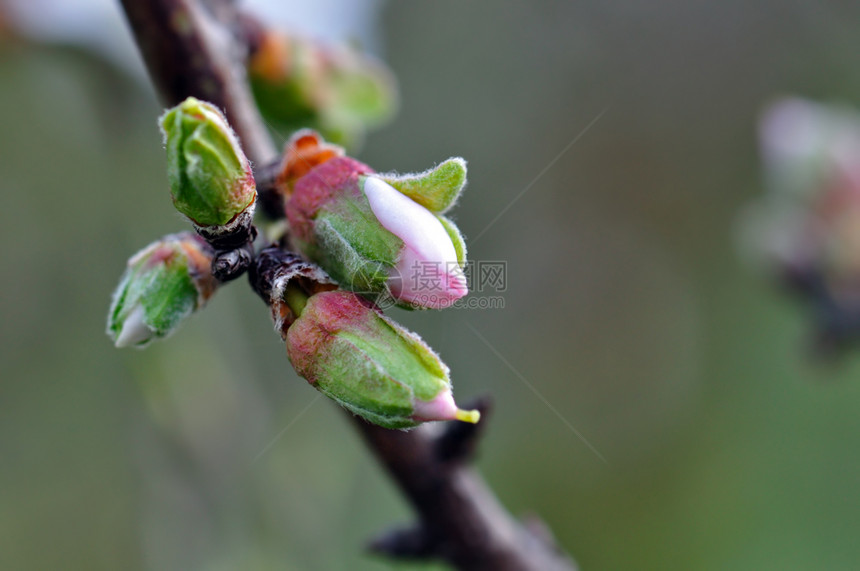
(163, 284)
(210, 178)
(302, 83)
(346, 348)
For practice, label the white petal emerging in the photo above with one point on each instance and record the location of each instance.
(134, 330)
(427, 272)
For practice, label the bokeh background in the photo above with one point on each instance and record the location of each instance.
(611, 147)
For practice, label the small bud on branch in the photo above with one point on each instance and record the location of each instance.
(299, 82)
(210, 178)
(164, 284)
(371, 236)
(211, 182)
(347, 349)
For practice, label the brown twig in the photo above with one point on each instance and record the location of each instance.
(192, 50)
(461, 520)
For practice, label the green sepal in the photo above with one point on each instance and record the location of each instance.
(356, 382)
(367, 363)
(169, 298)
(456, 237)
(436, 189)
(353, 247)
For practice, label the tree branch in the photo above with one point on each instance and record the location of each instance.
(461, 521)
(193, 50)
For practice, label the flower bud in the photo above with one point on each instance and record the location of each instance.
(163, 284)
(376, 238)
(346, 348)
(811, 154)
(806, 146)
(806, 227)
(210, 178)
(428, 271)
(299, 83)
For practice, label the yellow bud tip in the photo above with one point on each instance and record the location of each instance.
(472, 416)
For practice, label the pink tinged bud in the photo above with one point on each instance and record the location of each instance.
(332, 224)
(346, 348)
(378, 236)
(428, 271)
(317, 188)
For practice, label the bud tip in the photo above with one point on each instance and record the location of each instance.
(471, 416)
(442, 407)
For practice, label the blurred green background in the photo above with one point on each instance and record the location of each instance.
(627, 307)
